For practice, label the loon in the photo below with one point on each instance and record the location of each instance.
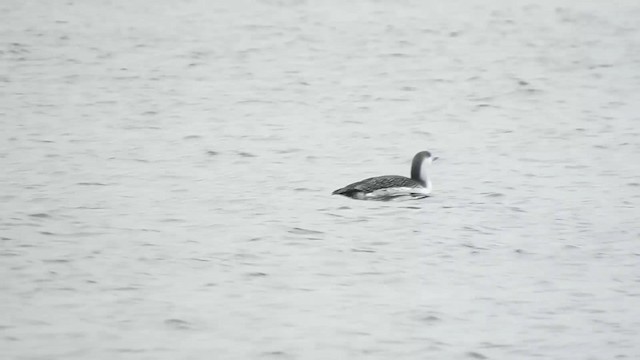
(392, 186)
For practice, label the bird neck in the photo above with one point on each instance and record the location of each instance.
(419, 172)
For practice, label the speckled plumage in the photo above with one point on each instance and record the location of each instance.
(377, 183)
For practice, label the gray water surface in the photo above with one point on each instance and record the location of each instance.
(166, 171)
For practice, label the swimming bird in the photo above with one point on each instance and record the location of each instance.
(391, 186)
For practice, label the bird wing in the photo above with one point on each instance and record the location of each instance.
(381, 182)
